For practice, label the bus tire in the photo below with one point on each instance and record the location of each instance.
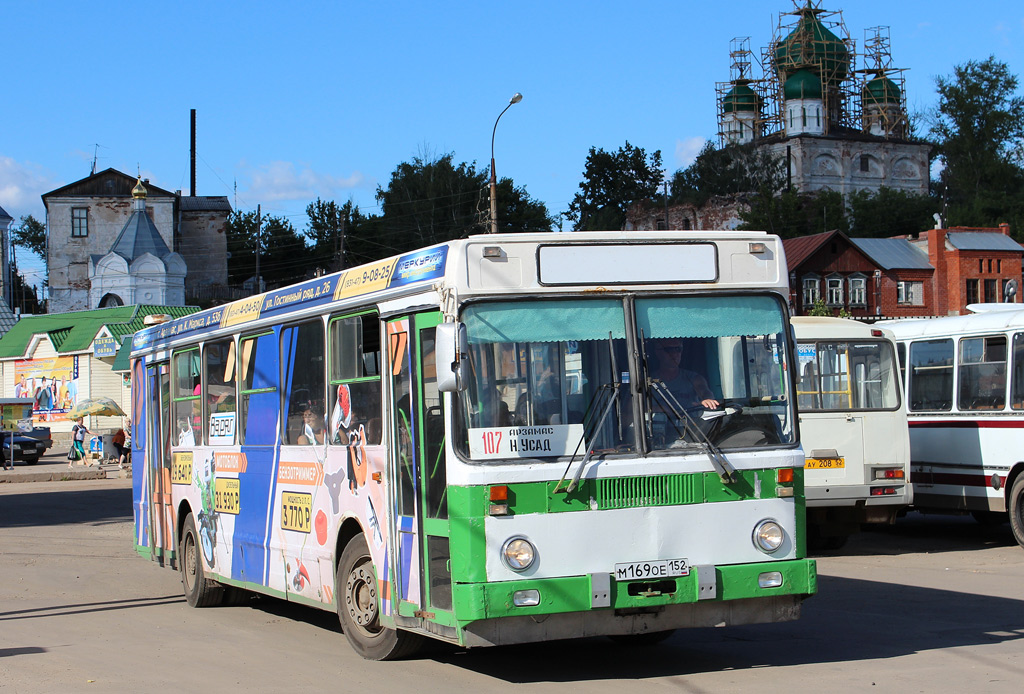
(1015, 505)
(359, 608)
(199, 590)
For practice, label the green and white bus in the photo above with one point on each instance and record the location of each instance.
(501, 439)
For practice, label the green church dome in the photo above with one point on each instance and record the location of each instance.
(802, 84)
(741, 98)
(880, 90)
(811, 44)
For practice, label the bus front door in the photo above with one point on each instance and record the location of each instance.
(421, 576)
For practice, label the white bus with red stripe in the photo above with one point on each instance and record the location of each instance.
(964, 379)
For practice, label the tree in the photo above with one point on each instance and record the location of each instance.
(978, 127)
(890, 212)
(30, 234)
(793, 214)
(326, 231)
(612, 181)
(431, 200)
(730, 170)
(283, 255)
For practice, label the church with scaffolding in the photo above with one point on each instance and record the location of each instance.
(836, 126)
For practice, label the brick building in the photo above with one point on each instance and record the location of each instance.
(939, 272)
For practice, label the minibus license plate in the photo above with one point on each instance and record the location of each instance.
(824, 463)
(660, 568)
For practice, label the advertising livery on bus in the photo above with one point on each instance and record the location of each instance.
(496, 440)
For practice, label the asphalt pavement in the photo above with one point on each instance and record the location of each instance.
(53, 467)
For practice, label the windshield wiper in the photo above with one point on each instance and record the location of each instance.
(721, 464)
(613, 400)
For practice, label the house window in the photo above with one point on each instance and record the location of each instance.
(79, 222)
(999, 265)
(991, 296)
(811, 293)
(972, 291)
(865, 163)
(834, 291)
(858, 290)
(1012, 297)
(910, 293)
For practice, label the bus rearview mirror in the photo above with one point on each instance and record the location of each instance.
(452, 347)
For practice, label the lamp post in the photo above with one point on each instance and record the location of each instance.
(516, 98)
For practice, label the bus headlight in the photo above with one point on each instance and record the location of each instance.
(768, 536)
(518, 553)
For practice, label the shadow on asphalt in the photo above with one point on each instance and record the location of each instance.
(93, 505)
(920, 532)
(848, 621)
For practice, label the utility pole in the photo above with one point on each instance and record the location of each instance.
(259, 225)
(341, 241)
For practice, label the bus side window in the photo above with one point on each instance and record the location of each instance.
(186, 399)
(258, 402)
(219, 390)
(931, 375)
(355, 381)
(1017, 375)
(302, 356)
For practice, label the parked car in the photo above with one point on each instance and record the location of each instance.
(26, 449)
(40, 434)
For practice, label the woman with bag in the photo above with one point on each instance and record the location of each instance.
(78, 434)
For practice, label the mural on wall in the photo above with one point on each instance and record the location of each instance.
(51, 383)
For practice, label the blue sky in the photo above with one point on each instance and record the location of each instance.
(324, 99)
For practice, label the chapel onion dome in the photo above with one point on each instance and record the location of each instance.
(811, 44)
(802, 84)
(741, 98)
(139, 191)
(880, 90)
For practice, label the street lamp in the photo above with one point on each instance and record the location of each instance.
(516, 98)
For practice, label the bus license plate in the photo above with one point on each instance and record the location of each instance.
(660, 568)
(824, 463)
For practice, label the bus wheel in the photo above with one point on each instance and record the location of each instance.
(199, 590)
(359, 608)
(1016, 508)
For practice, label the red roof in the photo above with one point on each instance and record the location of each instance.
(801, 248)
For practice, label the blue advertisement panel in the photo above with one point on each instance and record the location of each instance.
(418, 266)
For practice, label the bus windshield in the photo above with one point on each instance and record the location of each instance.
(553, 378)
(836, 375)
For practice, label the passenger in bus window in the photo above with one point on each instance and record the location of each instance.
(185, 434)
(313, 431)
(689, 387)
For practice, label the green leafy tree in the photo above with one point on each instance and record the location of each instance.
(612, 181)
(731, 170)
(283, 255)
(791, 214)
(327, 227)
(30, 234)
(431, 200)
(978, 128)
(890, 212)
